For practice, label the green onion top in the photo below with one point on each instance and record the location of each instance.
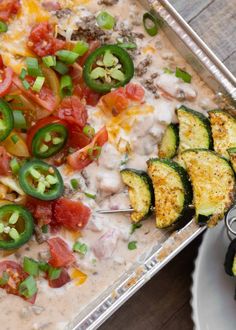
(33, 67)
(3, 27)
(66, 56)
(66, 86)
(105, 20)
(74, 184)
(54, 273)
(135, 226)
(19, 119)
(23, 74)
(61, 68)
(80, 247)
(38, 84)
(185, 76)
(89, 131)
(31, 266)
(49, 60)
(132, 245)
(150, 24)
(81, 48)
(15, 166)
(28, 287)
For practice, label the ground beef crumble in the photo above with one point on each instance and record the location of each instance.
(142, 67)
(107, 2)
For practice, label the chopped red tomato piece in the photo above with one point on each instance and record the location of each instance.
(61, 280)
(1, 63)
(6, 81)
(134, 92)
(114, 102)
(61, 255)
(51, 5)
(83, 157)
(4, 162)
(73, 111)
(88, 94)
(45, 98)
(92, 46)
(73, 215)
(77, 139)
(42, 41)
(15, 275)
(8, 8)
(42, 211)
(39, 124)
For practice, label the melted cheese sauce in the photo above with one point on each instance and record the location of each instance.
(139, 129)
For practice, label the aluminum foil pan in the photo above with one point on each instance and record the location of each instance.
(219, 78)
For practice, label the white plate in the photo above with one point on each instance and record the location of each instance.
(213, 304)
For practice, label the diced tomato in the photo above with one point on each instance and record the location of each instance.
(16, 276)
(77, 139)
(88, 94)
(76, 72)
(73, 111)
(45, 98)
(81, 158)
(6, 81)
(61, 280)
(4, 162)
(42, 41)
(73, 215)
(42, 211)
(51, 5)
(39, 124)
(61, 255)
(8, 8)
(1, 63)
(114, 102)
(134, 92)
(92, 46)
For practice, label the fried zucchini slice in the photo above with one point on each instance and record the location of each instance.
(140, 191)
(213, 184)
(223, 126)
(194, 130)
(232, 156)
(169, 142)
(172, 190)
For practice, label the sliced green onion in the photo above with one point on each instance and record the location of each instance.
(44, 229)
(66, 56)
(135, 226)
(105, 20)
(61, 68)
(150, 24)
(49, 60)
(25, 84)
(15, 166)
(4, 279)
(31, 266)
(80, 247)
(132, 245)
(14, 138)
(94, 152)
(92, 196)
(38, 84)
(33, 67)
(43, 266)
(23, 74)
(89, 131)
(81, 48)
(168, 71)
(19, 120)
(127, 45)
(185, 76)
(3, 27)
(54, 273)
(28, 287)
(74, 184)
(66, 86)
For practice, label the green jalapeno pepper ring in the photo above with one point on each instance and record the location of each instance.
(6, 120)
(108, 67)
(41, 180)
(16, 226)
(49, 140)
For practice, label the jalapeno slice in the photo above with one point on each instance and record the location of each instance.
(16, 226)
(41, 180)
(6, 120)
(108, 67)
(49, 140)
